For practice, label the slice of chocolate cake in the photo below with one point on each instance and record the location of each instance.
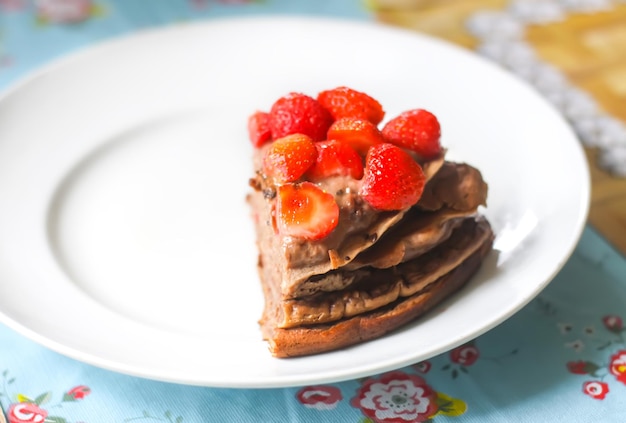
(359, 230)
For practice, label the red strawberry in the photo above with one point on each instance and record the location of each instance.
(335, 158)
(259, 128)
(358, 133)
(392, 179)
(417, 130)
(305, 211)
(346, 102)
(289, 157)
(299, 114)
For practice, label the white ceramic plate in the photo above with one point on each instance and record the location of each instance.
(125, 239)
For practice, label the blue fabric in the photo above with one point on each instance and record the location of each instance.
(562, 358)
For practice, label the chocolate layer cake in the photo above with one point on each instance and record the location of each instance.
(375, 268)
(327, 294)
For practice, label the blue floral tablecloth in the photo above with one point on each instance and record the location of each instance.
(562, 358)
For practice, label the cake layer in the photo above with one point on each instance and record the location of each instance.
(314, 339)
(371, 288)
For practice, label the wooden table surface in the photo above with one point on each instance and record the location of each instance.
(590, 49)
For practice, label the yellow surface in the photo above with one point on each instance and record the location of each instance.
(590, 49)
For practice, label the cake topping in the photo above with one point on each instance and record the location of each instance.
(289, 157)
(417, 130)
(392, 180)
(298, 113)
(305, 211)
(259, 128)
(358, 133)
(335, 158)
(334, 144)
(346, 102)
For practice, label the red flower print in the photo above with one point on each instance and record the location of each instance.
(319, 397)
(12, 5)
(200, 4)
(78, 392)
(596, 389)
(613, 323)
(577, 367)
(422, 366)
(64, 11)
(617, 367)
(465, 355)
(26, 412)
(5, 61)
(396, 397)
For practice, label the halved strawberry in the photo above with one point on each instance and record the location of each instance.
(392, 179)
(417, 130)
(289, 157)
(359, 134)
(345, 102)
(335, 158)
(259, 128)
(298, 113)
(305, 211)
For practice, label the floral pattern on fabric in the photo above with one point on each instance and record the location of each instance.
(26, 412)
(395, 397)
(24, 409)
(616, 365)
(319, 397)
(21, 408)
(77, 393)
(465, 355)
(399, 397)
(405, 396)
(12, 5)
(596, 389)
(5, 59)
(65, 11)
